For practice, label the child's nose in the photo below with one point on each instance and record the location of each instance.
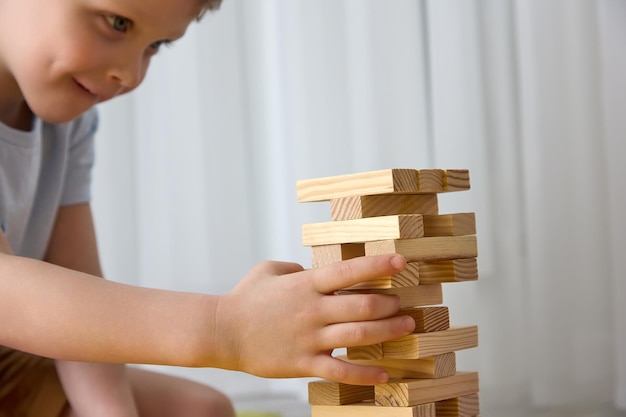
(128, 72)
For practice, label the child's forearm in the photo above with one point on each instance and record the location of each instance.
(63, 314)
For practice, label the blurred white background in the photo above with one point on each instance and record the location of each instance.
(196, 171)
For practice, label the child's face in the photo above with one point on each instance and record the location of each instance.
(64, 56)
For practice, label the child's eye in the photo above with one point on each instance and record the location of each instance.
(155, 46)
(118, 23)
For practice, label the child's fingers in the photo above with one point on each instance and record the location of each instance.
(277, 268)
(336, 276)
(358, 307)
(364, 333)
(337, 370)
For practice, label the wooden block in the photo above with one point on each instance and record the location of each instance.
(424, 273)
(423, 345)
(363, 206)
(335, 393)
(456, 180)
(426, 248)
(458, 224)
(420, 295)
(432, 367)
(368, 352)
(407, 278)
(363, 230)
(466, 406)
(370, 409)
(327, 254)
(410, 392)
(430, 180)
(455, 270)
(428, 319)
(386, 181)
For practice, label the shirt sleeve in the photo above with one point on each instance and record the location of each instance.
(77, 184)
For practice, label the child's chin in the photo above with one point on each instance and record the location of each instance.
(60, 117)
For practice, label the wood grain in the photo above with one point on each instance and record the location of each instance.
(466, 406)
(427, 272)
(363, 230)
(454, 270)
(363, 206)
(407, 278)
(370, 409)
(432, 367)
(335, 393)
(417, 296)
(323, 255)
(457, 224)
(426, 248)
(419, 345)
(430, 180)
(456, 180)
(422, 345)
(428, 319)
(386, 181)
(410, 392)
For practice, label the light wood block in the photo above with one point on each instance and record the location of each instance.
(439, 366)
(457, 224)
(455, 270)
(466, 406)
(420, 295)
(426, 248)
(369, 352)
(410, 392)
(386, 181)
(327, 254)
(370, 409)
(424, 273)
(456, 180)
(363, 230)
(335, 393)
(363, 206)
(428, 319)
(422, 345)
(419, 345)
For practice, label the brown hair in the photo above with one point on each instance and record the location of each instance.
(209, 5)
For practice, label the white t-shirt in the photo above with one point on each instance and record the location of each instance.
(40, 171)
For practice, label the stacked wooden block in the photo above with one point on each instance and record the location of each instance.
(397, 211)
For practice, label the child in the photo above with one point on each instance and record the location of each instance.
(58, 58)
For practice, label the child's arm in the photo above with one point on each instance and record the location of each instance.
(280, 321)
(93, 389)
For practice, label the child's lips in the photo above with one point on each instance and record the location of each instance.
(98, 96)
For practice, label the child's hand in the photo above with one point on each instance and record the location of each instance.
(282, 321)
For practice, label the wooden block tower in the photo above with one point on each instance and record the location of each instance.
(397, 211)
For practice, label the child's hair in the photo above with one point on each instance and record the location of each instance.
(209, 5)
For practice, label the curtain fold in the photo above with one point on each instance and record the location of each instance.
(196, 177)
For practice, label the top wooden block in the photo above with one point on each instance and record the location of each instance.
(389, 181)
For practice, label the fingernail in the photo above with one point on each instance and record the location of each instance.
(382, 378)
(398, 262)
(408, 324)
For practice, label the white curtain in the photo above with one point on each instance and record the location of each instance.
(196, 173)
